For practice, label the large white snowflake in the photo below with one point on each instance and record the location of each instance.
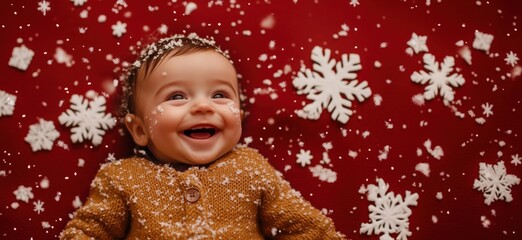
(418, 43)
(438, 78)
(495, 183)
(330, 88)
(41, 135)
(21, 57)
(7, 103)
(482, 41)
(87, 118)
(390, 212)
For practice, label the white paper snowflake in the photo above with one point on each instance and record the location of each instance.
(435, 152)
(487, 109)
(87, 119)
(511, 58)
(495, 183)
(78, 2)
(38, 206)
(7, 103)
(23, 193)
(41, 135)
(304, 158)
(516, 160)
(21, 57)
(324, 174)
(390, 212)
(418, 43)
(44, 6)
(438, 78)
(119, 29)
(354, 3)
(329, 88)
(482, 41)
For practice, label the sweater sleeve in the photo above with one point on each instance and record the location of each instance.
(285, 214)
(104, 215)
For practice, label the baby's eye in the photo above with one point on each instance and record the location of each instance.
(218, 95)
(177, 96)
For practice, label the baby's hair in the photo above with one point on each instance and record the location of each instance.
(153, 55)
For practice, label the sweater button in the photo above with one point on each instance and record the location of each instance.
(192, 195)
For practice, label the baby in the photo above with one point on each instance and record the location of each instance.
(193, 181)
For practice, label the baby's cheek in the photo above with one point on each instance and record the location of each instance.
(153, 119)
(236, 112)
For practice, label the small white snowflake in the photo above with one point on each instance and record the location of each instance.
(495, 183)
(516, 160)
(511, 58)
(23, 193)
(418, 43)
(329, 88)
(163, 29)
(482, 41)
(44, 6)
(190, 7)
(304, 158)
(354, 3)
(435, 152)
(121, 3)
(62, 57)
(390, 212)
(21, 57)
(7, 103)
(439, 80)
(111, 158)
(41, 135)
(119, 29)
(324, 174)
(38, 206)
(487, 109)
(78, 2)
(87, 119)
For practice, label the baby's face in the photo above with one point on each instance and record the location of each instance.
(189, 106)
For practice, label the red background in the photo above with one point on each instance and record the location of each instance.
(299, 26)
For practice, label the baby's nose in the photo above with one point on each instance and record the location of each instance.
(202, 106)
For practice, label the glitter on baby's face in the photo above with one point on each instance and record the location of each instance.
(153, 118)
(237, 113)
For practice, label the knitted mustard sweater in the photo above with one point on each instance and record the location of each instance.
(240, 196)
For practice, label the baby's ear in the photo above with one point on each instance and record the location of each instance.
(137, 128)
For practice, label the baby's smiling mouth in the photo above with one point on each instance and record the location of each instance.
(200, 133)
